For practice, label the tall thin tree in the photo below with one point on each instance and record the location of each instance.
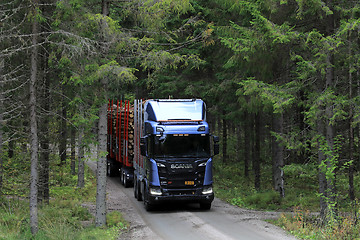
(100, 217)
(34, 148)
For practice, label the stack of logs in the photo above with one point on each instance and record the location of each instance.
(126, 134)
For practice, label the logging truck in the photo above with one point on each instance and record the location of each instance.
(163, 148)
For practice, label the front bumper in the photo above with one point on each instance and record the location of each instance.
(183, 195)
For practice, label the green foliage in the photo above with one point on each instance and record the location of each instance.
(16, 173)
(279, 97)
(116, 219)
(65, 214)
(304, 225)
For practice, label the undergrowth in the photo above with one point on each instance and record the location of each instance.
(301, 199)
(64, 217)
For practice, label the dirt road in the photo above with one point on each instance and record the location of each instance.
(187, 221)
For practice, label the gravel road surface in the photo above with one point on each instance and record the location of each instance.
(187, 221)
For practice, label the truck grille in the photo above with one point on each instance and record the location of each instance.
(182, 175)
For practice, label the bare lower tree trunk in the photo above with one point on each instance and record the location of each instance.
(44, 160)
(73, 150)
(330, 129)
(63, 130)
(351, 130)
(247, 145)
(100, 218)
(322, 177)
(81, 166)
(81, 176)
(278, 156)
(2, 110)
(224, 138)
(33, 125)
(257, 158)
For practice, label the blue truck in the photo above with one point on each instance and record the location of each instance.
(170, 151)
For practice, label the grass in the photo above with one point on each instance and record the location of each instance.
(301, 199)
(64, 217)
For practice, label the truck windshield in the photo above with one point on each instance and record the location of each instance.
(182, 145)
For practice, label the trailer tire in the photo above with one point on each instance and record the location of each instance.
(110, 169)
(135, 188)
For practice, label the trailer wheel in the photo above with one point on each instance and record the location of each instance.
(135, 188)
(110, 170)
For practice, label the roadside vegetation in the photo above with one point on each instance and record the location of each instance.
(65, 217)
(300, 204)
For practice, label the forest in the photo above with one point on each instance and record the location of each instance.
(280, 80)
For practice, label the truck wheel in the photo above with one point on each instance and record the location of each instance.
(126, 182)
(121, 177)
(148, 207)
(205, 206)
(139, 197)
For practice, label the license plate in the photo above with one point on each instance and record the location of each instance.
(189, 183)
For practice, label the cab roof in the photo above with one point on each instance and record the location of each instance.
(175, 110)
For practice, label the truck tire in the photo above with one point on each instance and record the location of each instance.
(126, 182)
(148, 206)
(205, 206)
(121, 177)
(138, 186)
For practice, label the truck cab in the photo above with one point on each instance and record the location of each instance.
(178, 150)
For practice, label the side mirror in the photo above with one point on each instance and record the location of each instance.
(216, 145)
(143, 147)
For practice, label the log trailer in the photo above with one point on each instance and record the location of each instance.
(163, 148)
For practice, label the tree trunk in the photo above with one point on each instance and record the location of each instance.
(100, 217)
(238, 143)
(81, 165)
(329, 115)
(33, 125)
(278, 156)
(73, 150)
(44, 161)
(63, 130)
(322, 177)
(257, 158)
(2, 110)
(224, 138)
(247, 140)
(351, 130)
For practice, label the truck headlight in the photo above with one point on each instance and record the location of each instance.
(155, 191)
(207, 190)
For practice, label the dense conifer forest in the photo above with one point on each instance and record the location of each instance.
(280, 79)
